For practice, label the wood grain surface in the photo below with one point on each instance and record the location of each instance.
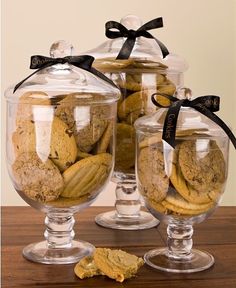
(24, 225)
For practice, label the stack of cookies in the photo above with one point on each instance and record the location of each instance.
(186, 181)
(62, 148)
(138, 80)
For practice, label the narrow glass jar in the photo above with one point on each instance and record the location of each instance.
(144, 73)
(181, 186)
(60, 150)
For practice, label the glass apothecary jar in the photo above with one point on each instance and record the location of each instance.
(144, 73)
(181, 186)
(60, 149)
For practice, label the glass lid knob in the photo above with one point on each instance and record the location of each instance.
(131, 22)
(61, 49)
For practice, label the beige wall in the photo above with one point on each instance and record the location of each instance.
(202, 31)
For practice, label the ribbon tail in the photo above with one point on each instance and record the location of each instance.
(126, 49)
(169, 129)
(218, 121)
(163, 48)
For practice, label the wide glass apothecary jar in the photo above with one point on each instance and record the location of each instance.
(145, 72)
(181, 186)
(60, 148)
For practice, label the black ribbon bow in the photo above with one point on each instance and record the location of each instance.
(84, 62)
(131, 36)
(203, 104)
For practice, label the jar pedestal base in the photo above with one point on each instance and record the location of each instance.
(197, 261)
(111, 220)
(40, 252)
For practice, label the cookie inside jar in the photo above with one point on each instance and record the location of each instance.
(137, 79)
(63, 147)
(186, 181)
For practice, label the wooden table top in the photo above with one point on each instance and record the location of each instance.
(24, 225)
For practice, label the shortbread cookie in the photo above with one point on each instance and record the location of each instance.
(51, 139)
(125, 147)
(105, 140)
(202, 164)
(178, 204)
(87, 175)
(39, 180)
(86, 268)
(117, 264)
(153, 180)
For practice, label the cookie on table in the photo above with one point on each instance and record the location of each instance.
(87, 175)
(117, 264)
(39, 179)
(51, 139)
(125, 147)
(202, 164)
(86, 268)
(154, 182)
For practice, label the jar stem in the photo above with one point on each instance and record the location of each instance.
(59, 231)
(128, 202)
(179, 241)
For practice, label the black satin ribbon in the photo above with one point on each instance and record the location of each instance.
(131, 36)
(84, 62)
(203, 104)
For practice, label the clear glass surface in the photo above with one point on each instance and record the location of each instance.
(60, 150)
(181, 186)
(138, 77)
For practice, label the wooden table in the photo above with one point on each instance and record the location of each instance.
(24, 225)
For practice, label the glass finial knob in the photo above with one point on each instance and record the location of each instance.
(131, 22)
(60, 49)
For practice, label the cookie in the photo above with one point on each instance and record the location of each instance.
(86, 268)
(132, 82)
(125, 147)
(105, 140)
(27, 102)
(179, 205)
(202, 164)
(188, 192)
(39, 180)
(112, 64)
(53, 139)
(63, 202)
(136, 102)
(87, 175)
(154, 182)
(117, 264)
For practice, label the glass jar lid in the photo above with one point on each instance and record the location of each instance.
(190, 122)
(65, 78)
(145, 49)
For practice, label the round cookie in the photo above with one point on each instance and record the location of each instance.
(88, 130)
(105, 139)
(86, 268)
(132, 82)
(188, 192)
(202, 164)
(63, 202)
(135, 102)
(117, 264)
(125, 147)
(52, 140)
(87, 175)
(39, 180)
(27, 102)
(179, 205)
(154, 182)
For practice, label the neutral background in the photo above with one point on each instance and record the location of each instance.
(203, 32)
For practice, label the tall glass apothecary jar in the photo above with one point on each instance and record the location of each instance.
(60, 147)
(145, 72)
